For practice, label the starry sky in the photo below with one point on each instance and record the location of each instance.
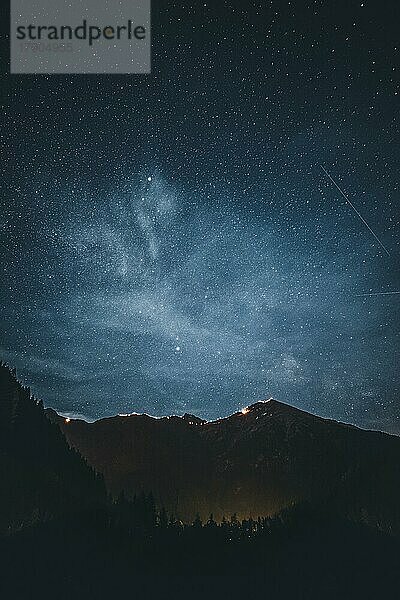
(170, 242)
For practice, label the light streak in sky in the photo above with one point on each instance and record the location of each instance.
(377, 294)
(355, 210)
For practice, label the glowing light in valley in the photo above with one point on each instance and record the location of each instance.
(67, 420)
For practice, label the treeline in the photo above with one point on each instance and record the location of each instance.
(140, 516)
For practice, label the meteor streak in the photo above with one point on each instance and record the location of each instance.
(377, 294)
(355, 210)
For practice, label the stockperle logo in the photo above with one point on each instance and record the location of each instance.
(80, 36)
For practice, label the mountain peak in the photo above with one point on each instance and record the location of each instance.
(262, 405)
(271, 402)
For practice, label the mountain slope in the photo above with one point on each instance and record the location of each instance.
(254, 462)
(41, 477)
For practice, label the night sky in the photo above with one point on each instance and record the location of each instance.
(170, 242)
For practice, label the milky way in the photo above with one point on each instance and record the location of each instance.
(170, 244)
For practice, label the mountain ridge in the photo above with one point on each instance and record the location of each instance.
(194, 419)
(256, 461)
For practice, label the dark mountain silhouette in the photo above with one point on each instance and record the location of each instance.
(41, 476)
(255, 462)
(60, 534)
